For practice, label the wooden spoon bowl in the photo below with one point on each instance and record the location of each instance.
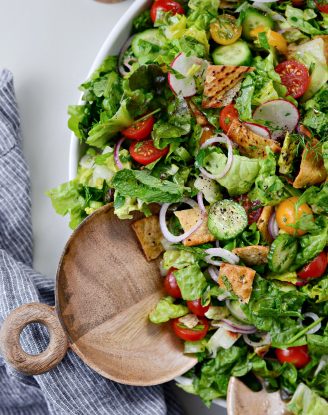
(105, 290)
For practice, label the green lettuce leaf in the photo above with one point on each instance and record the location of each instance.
(301, 19)
(191, 282)
(317, 291)
(241, 175)
(307, 402)
(178, 259)
(166, 309)
(142, 185)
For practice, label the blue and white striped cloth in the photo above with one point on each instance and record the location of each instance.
(71, 388)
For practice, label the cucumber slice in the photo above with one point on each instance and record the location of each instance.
(253, 19)
(152, 36)
(236, 310)
(282, 253)
(236, 54)
(226, 219)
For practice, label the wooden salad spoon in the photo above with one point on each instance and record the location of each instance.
(242, 401)
(105, 290)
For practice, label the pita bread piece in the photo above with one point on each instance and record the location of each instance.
(263, 223)
(250, 144)
(219, 82)
(188, 218)
(239, 278)
(200, 117)
(149, 235)
(312, 169)
(253, 255)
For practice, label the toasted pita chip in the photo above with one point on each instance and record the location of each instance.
(149, 235)
(207, 133)
(312, 169)
(220, 79)
(188, 218)
(253, 255)
(250, 144)
(263, 223)
(200, 117)
(240, 279)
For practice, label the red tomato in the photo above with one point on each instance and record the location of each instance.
(196, 307)
(139, 130)
(192, 335)
(297, 355)
(253, 209)
(294, 76)
(227, 115)
(322, 6)
(315, 269)
(144, 152)
(171, 285)
(166, 6)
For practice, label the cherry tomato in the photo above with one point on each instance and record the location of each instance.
(144, 152)
(286, 215)
(315, 269)
(227, 115)
(225, 30)
(295, 76)
(165, 6)
(171, 285)
(275, 39)
(140, 130)
(196, 307)
(253, 209)
(297, 355)
(192, 335)
(322, 5)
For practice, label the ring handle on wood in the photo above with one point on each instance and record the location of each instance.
(10, 345)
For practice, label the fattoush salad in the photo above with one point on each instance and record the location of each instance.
(212, 121)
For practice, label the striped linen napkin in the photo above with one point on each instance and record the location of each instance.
(72, 387)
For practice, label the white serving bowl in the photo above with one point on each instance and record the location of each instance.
(112, 45)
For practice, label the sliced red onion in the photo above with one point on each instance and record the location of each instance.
(273, 226)
(117, 153)
(223, 139)
(124, 48)
(200, 201)
(238, 328)
(301, 283)
(214, 273)
(222, 253)
(223, 296)
(162, 221)
(265, 340)
(314, 317)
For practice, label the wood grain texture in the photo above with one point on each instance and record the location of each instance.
(11, 348)
(242, 401)
(105, 291)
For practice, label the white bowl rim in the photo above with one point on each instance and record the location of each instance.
(74, 149)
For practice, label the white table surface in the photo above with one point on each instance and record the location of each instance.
(49, 46)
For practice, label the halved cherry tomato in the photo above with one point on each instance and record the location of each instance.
(297, 355)
(140, 130)
(192, 335)
(287, 216)
(322, 5)
(275, 39)
(171, 285)
(295, 76)
(253, 209)
(195, 306)
(315, 269)
(227, 115)
(144, 152)
(225, 30)
(165, 6)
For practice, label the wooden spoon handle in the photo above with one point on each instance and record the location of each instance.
(11, 348)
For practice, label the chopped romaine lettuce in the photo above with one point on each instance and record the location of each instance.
(166, 309)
